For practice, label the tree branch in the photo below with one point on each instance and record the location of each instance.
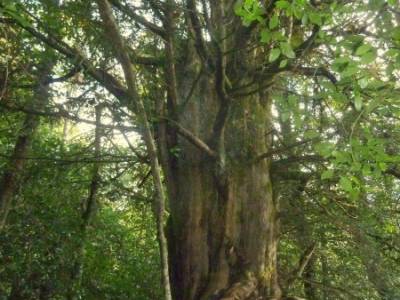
(196, 29)
(78, 59)
(303, 262)
(283, 149)
(192, 138)
(66, 115)
(139, 19)
(318, 71)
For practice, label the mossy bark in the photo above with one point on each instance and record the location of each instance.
(221, 231)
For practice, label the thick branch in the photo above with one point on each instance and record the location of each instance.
(192, 138)
(394, 172)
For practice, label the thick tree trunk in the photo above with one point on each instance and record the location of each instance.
(222, 215)
(222, 226)
(11, 176)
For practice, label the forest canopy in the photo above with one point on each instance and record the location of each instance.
(200, 149)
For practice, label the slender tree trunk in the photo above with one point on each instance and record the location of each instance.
(324, 270)
(304, 241)
(88, 211)
(16, 290)
(11, 177)
(136, 104)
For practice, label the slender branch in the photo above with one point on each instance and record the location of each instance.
(170, 70)
(318, 71)
(302, 158)
(145, 60)
(196, 30)
(77, 58)
(88, 160)
(303, 262)
(283, 149)
(333, 288)
(141, 20)
(142, 158)
(66, 115)
(75, 70)
(220, 82)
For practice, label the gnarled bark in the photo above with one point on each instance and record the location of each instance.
(222, 226)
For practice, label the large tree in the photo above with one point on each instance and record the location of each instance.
(200, 81)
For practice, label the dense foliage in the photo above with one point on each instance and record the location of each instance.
(82, 220)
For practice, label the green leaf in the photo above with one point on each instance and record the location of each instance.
(265, 36)
(282, 4)
(366, 170)
(285, 116)
(396, 33)
(298, 13)
(292, 101)
(382, 166)
(358, 103)
(350, 70)
(324, 149)
(278, 36)
(363, 83)
(363, 49)
(13, 13)
(274, 54)
(345, 184)
(356, 166)
(328, 174)
(342, 60)
(283, 63)
(390, 228)
(368, 57)
(304, 19)
(273, 22)
(287, 50)
(342, 157)
(238, 8)
(328, 85)
(315, 18)
(310, 134)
